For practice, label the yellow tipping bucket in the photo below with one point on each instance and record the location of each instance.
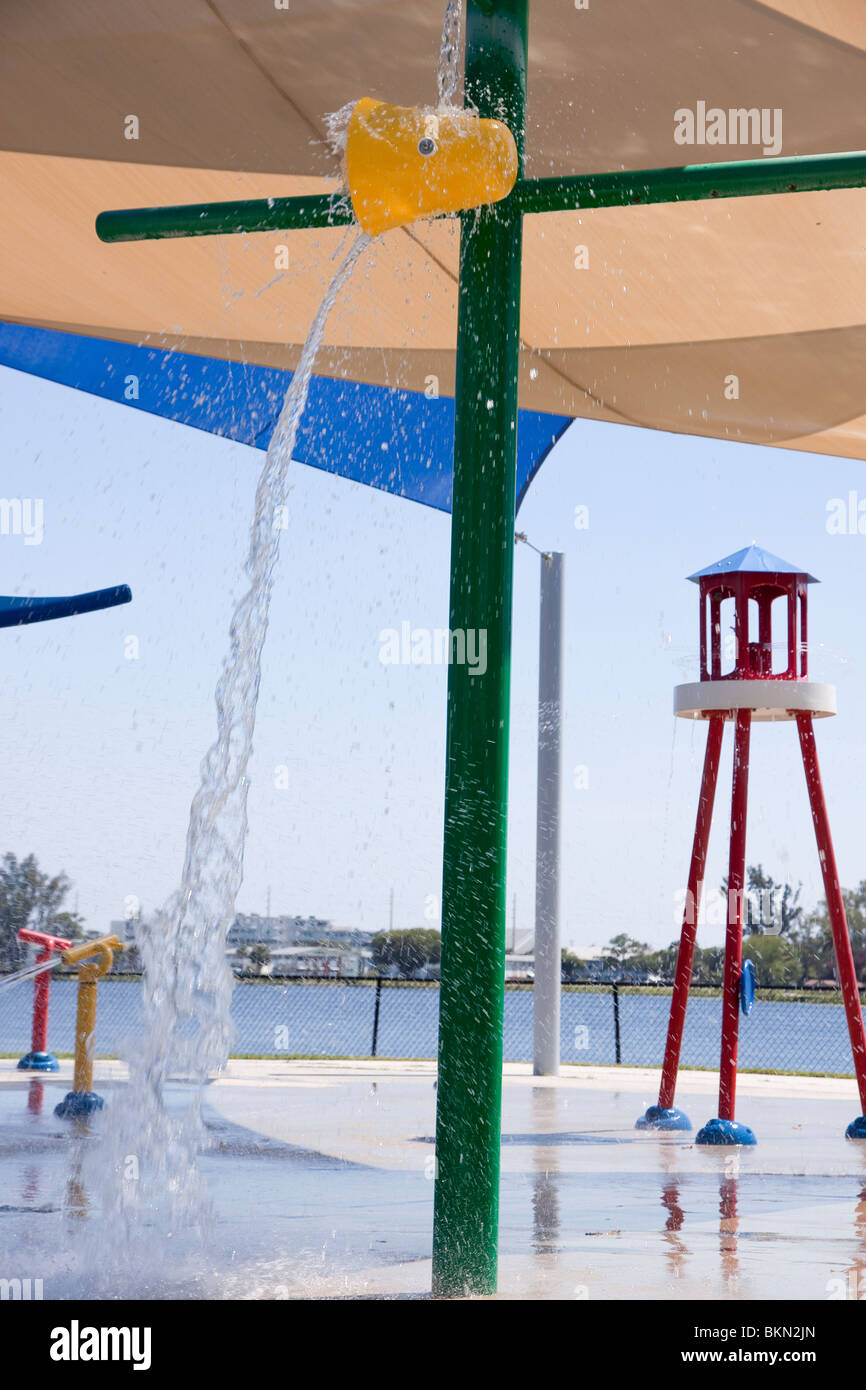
(405, 163)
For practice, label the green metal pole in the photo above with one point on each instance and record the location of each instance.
(740, 179)
(466, 1218)
(218, 219)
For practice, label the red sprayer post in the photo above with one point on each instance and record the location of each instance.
(753, 667)
(39, 1058)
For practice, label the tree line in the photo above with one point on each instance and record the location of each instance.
(786, 944)
(33, 899)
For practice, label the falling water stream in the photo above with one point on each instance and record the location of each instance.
(448, 70)
(184, 950)
(187, 984)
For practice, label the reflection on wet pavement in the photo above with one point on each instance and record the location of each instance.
(320, 1178)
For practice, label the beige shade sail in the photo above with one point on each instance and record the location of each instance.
(738, 318)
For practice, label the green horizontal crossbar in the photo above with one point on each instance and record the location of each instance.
(217, 219)
(743, 178)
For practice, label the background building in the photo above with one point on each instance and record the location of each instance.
(250, 929)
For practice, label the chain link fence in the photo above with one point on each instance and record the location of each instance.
(790, 1030)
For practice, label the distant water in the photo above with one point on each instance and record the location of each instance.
(330, 1020)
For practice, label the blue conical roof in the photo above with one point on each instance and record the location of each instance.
(752, 559)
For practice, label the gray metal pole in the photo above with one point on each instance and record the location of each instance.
(548, 951)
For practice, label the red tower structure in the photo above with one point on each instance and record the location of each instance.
(754, 666)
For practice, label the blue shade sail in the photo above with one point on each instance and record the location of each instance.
(399, 441)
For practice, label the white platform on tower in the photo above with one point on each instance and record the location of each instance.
(767, 699)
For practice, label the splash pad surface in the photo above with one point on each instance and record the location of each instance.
(320, 1178)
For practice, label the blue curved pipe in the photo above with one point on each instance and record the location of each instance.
(15, 612)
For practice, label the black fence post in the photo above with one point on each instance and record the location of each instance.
(376, 1017)
(617, 1042)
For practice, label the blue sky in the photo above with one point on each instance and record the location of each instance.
(100, 753)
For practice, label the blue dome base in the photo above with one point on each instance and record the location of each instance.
(39, 1061)
(725, 1132)
(77, 1103)
(857, 1128)
(657, 1117)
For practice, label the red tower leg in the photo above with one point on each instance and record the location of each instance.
(835, 904)
(734, 933)
(691, 911)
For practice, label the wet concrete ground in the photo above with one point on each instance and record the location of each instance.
(320, 1176)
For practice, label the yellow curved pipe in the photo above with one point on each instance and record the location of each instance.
(89, 972)
(99, 946)
(405, 162)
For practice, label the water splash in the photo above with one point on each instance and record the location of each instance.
(27, 972)
(337, 133)
(448, 69)
(187, 983)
